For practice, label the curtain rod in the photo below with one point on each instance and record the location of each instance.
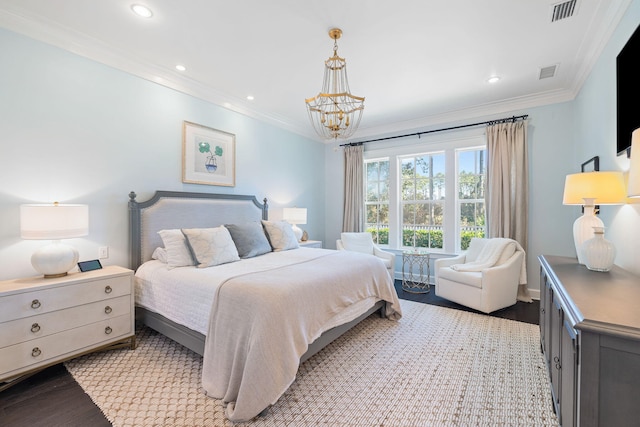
(488, 122)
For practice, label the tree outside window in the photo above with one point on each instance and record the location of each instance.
(377, 200)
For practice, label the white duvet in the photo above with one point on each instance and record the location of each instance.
(185, 294)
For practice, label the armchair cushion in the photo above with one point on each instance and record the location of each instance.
(471, 278)
(358, 242)
(363, 243)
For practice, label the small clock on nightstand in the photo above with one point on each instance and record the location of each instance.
(311, 244)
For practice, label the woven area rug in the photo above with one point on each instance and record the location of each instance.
(435, 367)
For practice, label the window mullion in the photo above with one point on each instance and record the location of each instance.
(450, 202)
(394, 202)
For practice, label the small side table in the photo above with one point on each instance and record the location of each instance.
(310, 244)
(416, 283)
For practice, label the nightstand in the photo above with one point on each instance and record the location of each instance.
(311, 244)
(47, 321)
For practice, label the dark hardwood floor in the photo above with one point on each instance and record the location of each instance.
(521, 311)
(52, 398)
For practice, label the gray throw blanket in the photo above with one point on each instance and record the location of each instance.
(262, 323)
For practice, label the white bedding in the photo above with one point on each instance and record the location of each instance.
(185, 294)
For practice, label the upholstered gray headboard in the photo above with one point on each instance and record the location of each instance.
(176, 209)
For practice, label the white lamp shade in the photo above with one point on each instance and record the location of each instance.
(603, 187)
(53, 221)
(295, 215)
(633, 187)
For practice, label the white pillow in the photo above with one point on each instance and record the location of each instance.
(281, 235)
(178, 253)
(160, 254)
(357, 242)
(211, 246)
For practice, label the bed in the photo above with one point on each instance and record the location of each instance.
(255, 319)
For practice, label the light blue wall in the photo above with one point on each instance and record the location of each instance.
(76, 131)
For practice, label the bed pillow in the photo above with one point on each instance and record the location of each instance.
(249, 238)
(280, 235)
(178, 253)
(211, 246)
(160, 254)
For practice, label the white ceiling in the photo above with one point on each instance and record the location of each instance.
(417, 62)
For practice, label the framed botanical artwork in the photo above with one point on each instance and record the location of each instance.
(208, 156)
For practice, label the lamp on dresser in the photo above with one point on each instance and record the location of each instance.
(54, 222)
(295, 216)
(589, 189)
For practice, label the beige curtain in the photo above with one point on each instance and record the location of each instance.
(507, 185)
(353, 217)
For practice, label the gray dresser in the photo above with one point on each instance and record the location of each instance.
(590, 338)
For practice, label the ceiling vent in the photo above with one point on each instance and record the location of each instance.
(547, 72)
(563, 10)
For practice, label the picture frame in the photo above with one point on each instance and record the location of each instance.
(591, 165)
(208, 156)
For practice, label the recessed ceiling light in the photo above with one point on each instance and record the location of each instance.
(141, 10)
(181, 67)
(250, 97)
(494, 79)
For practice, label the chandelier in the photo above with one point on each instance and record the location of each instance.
(335, 112)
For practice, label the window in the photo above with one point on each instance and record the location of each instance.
(472, 175)
(406, 194)
(422, 180)
(377, 200)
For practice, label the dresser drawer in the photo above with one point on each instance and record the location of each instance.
(28, 355)
(42, 325)
(55, 298)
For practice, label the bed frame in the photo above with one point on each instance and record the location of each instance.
(174, 209)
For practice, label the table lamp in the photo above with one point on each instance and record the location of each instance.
(295, 216)
(54, 222)
(589, 189)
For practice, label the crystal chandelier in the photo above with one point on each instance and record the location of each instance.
(335, 112)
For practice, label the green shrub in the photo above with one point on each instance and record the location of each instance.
(424, 238)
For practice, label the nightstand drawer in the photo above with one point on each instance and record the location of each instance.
(25, 356)
(55, 298)
(42, 325)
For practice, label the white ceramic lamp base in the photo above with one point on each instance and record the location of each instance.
(55, 259)
(583, 230)
(297, 231)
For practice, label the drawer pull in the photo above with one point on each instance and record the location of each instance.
(108, 310)
(107, 289)
(35, 328)
(35, 304)
(108, 330)
(36, 352)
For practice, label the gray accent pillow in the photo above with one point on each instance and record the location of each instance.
(249, 238)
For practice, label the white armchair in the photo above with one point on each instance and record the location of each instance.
(485, 278)
(363, 242)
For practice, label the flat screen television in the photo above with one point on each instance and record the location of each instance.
(627, 92)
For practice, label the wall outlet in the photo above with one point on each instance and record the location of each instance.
(103, 252)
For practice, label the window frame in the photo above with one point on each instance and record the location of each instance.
(394, 151)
